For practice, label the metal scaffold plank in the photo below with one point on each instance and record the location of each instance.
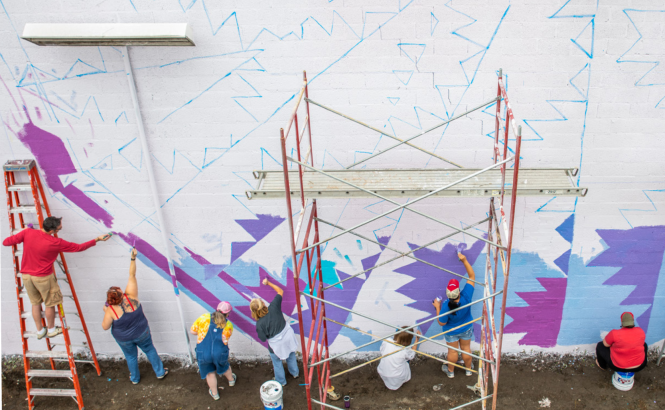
(417, 182)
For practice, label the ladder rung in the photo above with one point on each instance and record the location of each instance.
(18, 252)
(49, 373)
(23, 209)
(20, 186)
(53, 392)
(52, 354)
(32, 333)
(83, 346)
(75, 360)
(28, 315)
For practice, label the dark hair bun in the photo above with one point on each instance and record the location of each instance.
(114, 296)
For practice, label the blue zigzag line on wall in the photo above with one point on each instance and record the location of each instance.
(469, 77)
(455, 32)
(332, 25)
(557, 16)
(644, 191)
(170, 171)
(258, 95)
(40, 88)
(654, 63)
(122, 114)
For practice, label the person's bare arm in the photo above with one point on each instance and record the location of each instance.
(276, 288)
(437, 306)
(468, 267)
(132, 289)
(606, 344)
(108, 318)
(415, 344)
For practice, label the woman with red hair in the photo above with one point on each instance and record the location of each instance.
(123, 314)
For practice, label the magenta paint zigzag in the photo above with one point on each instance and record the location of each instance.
(54, 161)
(541, 319)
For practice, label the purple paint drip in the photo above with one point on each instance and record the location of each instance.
(54, 160)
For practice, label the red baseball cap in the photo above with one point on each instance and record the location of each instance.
(452, 290)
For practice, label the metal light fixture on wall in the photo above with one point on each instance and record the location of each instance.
(86, 34)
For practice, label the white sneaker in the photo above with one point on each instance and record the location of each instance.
(469, 372)
(233, 383)
(56, 331)
(42, 334)
(448, 373)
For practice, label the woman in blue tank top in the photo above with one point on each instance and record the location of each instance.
(123, 313)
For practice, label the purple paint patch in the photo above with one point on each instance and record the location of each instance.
(261, 227)
(54, 160)
(541, 320)
(639, 254)
(384, 240)
(461, 247)
(39, 113)
(430, 282)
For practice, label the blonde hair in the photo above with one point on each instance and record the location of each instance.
(218, 318)
(258, 309)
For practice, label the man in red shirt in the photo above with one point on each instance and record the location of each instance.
(40, 250)
(623, 350)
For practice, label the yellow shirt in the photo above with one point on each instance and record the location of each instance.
(202, 324)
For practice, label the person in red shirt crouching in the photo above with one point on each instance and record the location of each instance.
(40, 249)
(623, 350)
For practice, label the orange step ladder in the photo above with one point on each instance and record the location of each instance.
(31, 183)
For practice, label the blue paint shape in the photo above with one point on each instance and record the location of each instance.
(393, 100)
(360, 244)
(413, 51)
(563, 260)
(346, 257)
(359, 339)
(337, 252)
(404, 76)
(588, 31)
(433, 23)
(566, 228)
(105, 164)
(582, 85)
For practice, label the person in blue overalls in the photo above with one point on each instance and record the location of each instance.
(213, 332)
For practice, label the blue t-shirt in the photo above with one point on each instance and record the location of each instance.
(461, 316)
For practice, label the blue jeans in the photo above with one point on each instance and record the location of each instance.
(466, 335)
(144, 342)
(291, 363)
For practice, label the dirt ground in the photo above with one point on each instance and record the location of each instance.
(569, 382)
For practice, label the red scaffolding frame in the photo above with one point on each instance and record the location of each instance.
(315, 349)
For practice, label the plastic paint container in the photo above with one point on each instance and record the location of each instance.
(347, 402)
(271, 395)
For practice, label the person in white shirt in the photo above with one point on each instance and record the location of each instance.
(394, 369)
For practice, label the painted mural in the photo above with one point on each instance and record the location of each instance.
(220, 123)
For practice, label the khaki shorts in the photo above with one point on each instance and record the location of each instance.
(42, 289)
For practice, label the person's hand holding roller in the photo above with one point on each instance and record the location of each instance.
(104, 238)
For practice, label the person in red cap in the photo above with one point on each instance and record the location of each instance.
(457, 322)
(212, 350)
(623, 350)
(123, 314)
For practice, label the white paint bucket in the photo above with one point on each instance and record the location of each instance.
(271, 395)
(623, 381)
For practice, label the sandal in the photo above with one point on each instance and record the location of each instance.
(166, 371)
(332, 395)
(233, 383)
(214, 396)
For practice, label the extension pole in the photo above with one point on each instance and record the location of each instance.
(153, 191)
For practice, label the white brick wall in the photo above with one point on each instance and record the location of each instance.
(603, 113)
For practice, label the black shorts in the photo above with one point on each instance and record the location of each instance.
(605, 360)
